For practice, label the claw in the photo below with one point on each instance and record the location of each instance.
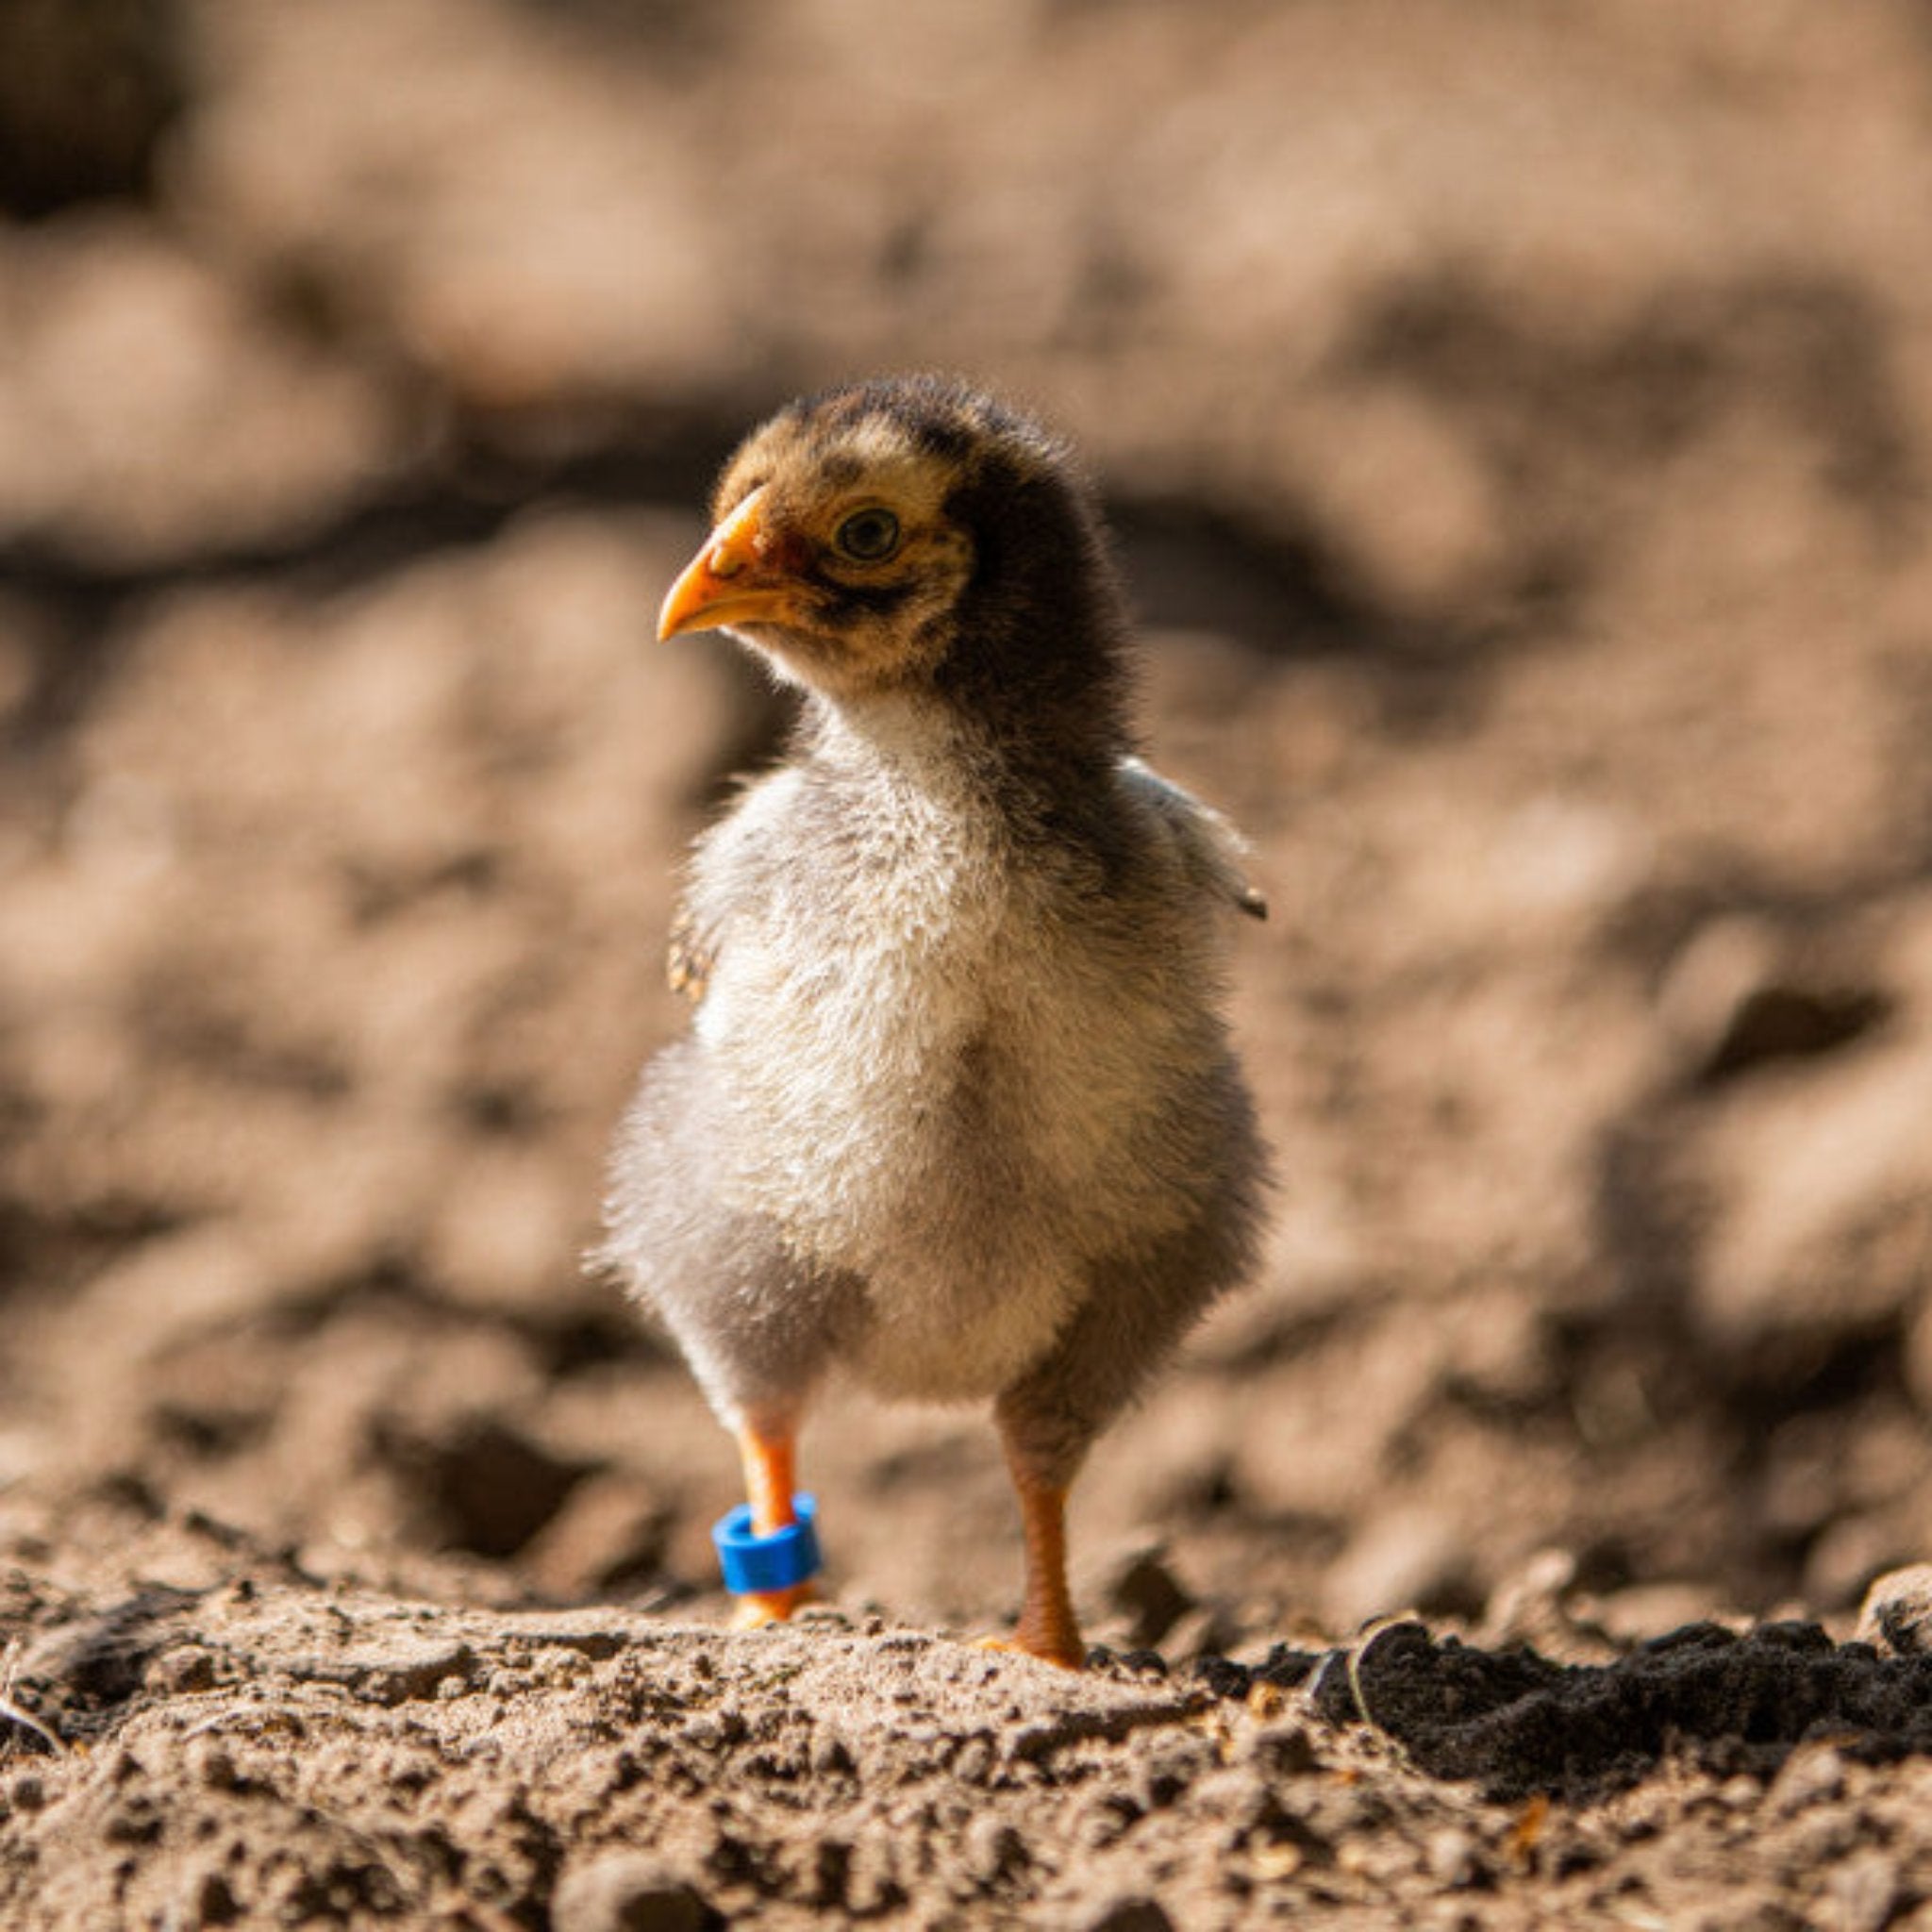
(1073, 1656)
(758, 1609)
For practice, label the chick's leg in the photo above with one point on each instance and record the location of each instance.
(769, 1456)
(1047, 1626)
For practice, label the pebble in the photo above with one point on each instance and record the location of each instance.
(1897, 1612)
(1529, 1600)
(1814, 1774)
(624, 1891)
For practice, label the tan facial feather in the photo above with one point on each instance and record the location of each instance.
(811, 485)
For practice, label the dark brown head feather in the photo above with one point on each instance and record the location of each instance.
(1034, 649)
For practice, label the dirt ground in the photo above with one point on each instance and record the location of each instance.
(1518, 424)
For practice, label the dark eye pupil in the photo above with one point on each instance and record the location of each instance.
(868, 535)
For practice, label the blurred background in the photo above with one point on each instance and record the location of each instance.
(1516, 417)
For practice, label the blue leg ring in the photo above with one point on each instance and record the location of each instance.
(755, 1563)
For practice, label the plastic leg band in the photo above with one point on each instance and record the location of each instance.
(754, 1564)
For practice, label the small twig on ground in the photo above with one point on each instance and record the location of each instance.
(1357, 1653)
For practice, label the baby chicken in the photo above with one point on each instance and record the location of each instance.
(958, 1114)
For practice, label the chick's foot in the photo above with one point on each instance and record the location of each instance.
(1063, 1648)
(758, 1608)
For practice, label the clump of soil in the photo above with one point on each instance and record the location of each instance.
(274, 1748)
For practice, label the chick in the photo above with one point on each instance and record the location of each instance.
(958, 1114)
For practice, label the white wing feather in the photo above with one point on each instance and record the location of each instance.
(1213, 849)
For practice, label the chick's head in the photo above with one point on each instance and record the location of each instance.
(900, 535)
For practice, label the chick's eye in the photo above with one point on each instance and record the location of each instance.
(868, 535)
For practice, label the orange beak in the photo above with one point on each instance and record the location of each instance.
(734, 578)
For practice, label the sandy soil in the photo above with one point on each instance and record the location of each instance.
(1518, 429)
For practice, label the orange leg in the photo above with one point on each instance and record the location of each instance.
(768, 1471)
(1047, 1626)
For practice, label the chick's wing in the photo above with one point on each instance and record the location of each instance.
(1211, 848)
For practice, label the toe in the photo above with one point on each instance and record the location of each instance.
(759, 1608)
(1068, 1656)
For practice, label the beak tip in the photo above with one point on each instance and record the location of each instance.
(727, 578)
(685, 604)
